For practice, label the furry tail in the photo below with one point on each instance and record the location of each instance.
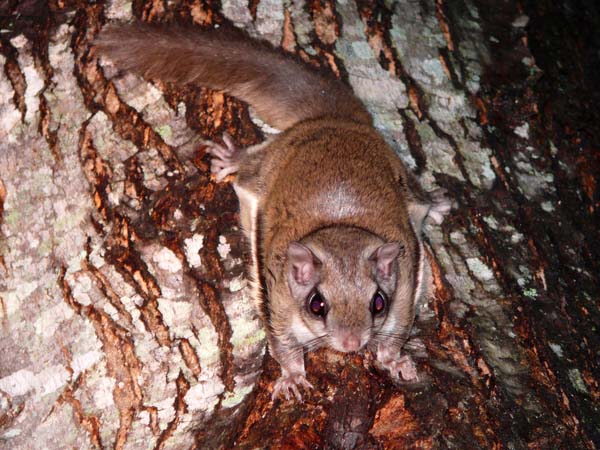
(282, 90)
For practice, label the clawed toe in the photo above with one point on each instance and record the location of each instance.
(407, 368)
(226, 158)
(224, 152)
(231, 149)
(440, 205)
(220, 174)
(218, 151)
(398, 366)
(289, 385)
(438, 194)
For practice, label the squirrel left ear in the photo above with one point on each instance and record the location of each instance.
(384, 258)
(302, 263)
(303, 269)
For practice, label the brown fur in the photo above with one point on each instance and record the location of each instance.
(330, 173)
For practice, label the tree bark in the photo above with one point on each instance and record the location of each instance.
(126, 320)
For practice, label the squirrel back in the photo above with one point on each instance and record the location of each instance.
(283, 91)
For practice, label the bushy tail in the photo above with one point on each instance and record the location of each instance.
(282, 90)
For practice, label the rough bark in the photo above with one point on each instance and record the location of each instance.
(125, 317)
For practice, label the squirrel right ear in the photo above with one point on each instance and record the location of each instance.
(302, 264)
(303, 270)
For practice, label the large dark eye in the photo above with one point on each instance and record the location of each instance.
(316, 305)
(378, 303)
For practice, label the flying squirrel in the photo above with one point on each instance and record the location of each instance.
(333, 217)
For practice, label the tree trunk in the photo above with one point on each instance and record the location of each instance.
(126, 320)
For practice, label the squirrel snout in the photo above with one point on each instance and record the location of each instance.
(349, 342)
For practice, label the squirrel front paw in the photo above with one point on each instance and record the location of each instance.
(397, 365)
(403, 366)
(440, 205)
(289, 384)
(226, 159)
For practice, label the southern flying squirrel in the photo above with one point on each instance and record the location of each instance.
(333, 217)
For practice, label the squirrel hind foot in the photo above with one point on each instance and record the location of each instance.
(225, 158)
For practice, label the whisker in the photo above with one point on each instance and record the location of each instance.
(300, 348)
(387, 333)
(394, 339)
(415, 345)
(402, 339)
(314, 341)
(404, 336)
(402, 331)
(289, 355)
(367, 328)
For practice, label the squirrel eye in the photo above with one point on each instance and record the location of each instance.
(316, 305)
(378, 303)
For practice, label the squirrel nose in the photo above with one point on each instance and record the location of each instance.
(351, 343)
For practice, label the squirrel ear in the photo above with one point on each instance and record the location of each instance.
(302, 264)
(384, 258)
